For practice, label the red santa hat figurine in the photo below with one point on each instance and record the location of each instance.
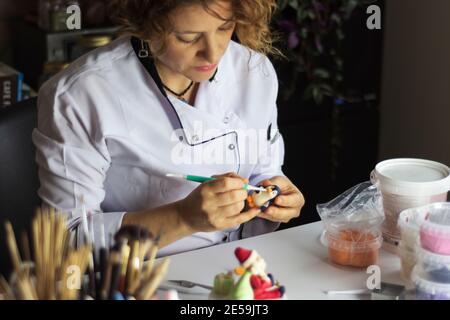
(263, 284)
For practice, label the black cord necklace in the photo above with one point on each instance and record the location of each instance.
(181, 94)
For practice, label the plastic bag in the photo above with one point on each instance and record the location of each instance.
(360, 207)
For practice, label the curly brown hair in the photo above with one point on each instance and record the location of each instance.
(149, 19)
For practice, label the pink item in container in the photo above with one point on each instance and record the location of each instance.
(435, 230)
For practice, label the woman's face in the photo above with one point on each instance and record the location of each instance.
(199, 40)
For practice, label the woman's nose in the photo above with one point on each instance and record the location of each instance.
(211, 51)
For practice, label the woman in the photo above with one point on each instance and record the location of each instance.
(175, 95)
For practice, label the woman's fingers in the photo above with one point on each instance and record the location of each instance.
(235, 175)
(292, 200)
(225, 184)
(280, 214)
(230, 197)
(231, 209)
(282, 182)
(243, 217)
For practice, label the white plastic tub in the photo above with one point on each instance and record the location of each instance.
(435, 266)
(427, 289)
(408, 183)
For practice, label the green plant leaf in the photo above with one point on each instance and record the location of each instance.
(317, 95)
(336, 18)
(301, 15)
(304, 33)
(293, 4)
(321, 73)
(351, 5)
(327, 89)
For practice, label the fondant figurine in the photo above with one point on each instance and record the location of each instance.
(243, 289)
(262, 199)
(223, 284)
(252, 283)
(263, 284)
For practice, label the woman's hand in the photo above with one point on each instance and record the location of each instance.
(217, 204)
(287, 205)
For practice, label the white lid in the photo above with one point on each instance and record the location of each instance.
(412, 177)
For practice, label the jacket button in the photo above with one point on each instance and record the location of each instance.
(195, 138)
(231, 147)
(226, 120)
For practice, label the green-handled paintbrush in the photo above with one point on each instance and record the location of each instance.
(204, 179)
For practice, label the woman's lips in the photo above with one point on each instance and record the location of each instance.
(208, 68)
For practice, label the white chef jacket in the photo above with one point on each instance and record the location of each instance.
(107, 134)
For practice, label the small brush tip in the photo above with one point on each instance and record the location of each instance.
(174, 175)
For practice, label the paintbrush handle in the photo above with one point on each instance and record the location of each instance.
(198, 178)
(204, 179)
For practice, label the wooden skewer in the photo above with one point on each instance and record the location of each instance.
(6, 289)
(78, 258)
(151, 262)
(36, 255)
(150, 287)
(144, 249)
(53, 252)
(136, 268)
(126, 255)
(25, 291)
(25, 246)
(12, 246)
(131, 265)
(26, 287)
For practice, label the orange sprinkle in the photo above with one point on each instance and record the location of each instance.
(353, 248)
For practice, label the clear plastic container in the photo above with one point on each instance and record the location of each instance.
(352, 247)
(408, 260)
(409, 223)
(435, 230)
(427, 289)
(435, 266)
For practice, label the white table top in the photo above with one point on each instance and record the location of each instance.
(296, 257)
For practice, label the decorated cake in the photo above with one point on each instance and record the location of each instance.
(248, 281)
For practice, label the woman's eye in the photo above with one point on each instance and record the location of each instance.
(188, 41)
